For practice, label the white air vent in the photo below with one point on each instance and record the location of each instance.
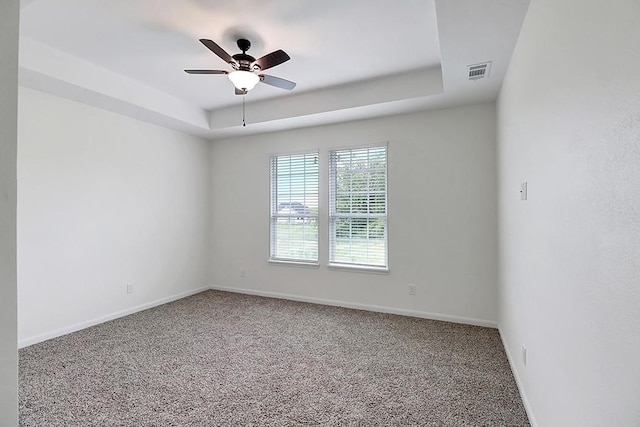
(479, 71)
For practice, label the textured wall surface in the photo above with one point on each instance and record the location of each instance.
(569, 125)
(442, 214)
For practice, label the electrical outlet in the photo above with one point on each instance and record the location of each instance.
(243, 273)
(412, 289)
(129, 288)
(524, 355)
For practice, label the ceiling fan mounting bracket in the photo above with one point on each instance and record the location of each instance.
(244, 45)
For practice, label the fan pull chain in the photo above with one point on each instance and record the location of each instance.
(243, 122)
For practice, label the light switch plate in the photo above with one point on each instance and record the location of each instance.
(523, 191)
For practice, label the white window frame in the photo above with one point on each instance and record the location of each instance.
(306, 217)
(334, 216)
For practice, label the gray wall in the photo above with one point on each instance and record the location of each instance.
(569, 124)
(104, 200)
(442, 215)
(9, 20)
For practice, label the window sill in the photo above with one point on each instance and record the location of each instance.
(294, 263)
(359, 268)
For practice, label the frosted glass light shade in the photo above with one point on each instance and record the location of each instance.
(244, 80)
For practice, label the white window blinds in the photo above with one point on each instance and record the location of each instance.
(358, 207)
(294, 208)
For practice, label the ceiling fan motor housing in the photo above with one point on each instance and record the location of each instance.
(243, 61)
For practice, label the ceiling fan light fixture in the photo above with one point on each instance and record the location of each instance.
(244, 80)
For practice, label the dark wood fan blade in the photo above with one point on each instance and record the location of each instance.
(206, 72)
(277, 82)
(213, 47)
(272, 59)
(240, 92)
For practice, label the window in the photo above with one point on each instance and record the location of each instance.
(294, 208)
(358, 207)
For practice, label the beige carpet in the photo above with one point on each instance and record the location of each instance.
(223, 359)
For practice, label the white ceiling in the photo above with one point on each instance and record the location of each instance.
(350, 59)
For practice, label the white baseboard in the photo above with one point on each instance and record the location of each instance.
(523, 395)
(25, 342)
(367, 307)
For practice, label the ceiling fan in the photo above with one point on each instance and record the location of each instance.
(245, 67)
